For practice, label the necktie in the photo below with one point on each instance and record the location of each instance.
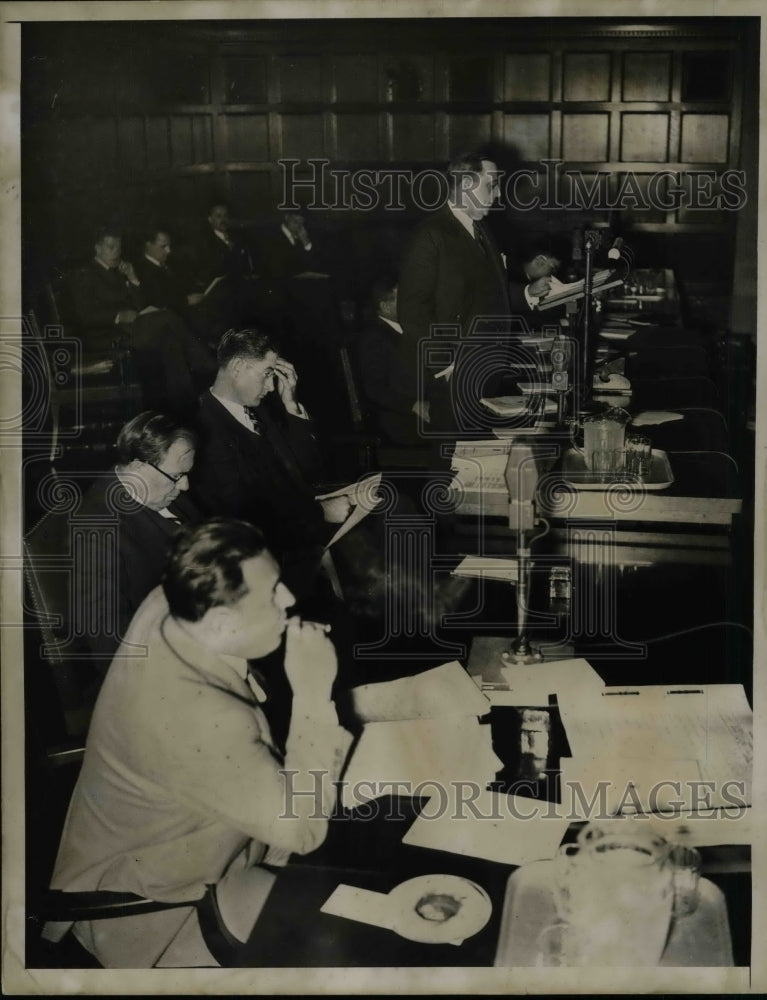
(479, 236)
(252, 412)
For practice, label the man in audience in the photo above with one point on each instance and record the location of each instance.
(389, 384)
(108, 300)
(164, 287)
(452, 275)
(259, 461)
(133, 514)
(182, 794)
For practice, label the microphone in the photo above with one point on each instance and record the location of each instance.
(521, 477)
(615, 250)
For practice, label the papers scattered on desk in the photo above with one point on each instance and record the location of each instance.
(711, 725)
(438, 693)
(484, 473)
(418, 753)
(510, 829)
(651, 418)
(488, 568)
(706, 828)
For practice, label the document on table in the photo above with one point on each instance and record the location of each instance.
(410, 757)
(444, 691)
(510, 829)
(362, 496)
(712, 724)
(488, 568)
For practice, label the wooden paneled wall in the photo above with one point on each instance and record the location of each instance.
(138, 120)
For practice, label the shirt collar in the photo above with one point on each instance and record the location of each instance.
(392, 323)
(288, 234)
(210, 662)
(101, 262)
(463, 218)
(237, 410)
(152, 260)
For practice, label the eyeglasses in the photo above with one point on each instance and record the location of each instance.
(173, 479)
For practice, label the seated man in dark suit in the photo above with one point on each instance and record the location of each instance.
(164, 286)
(134, 512)
(108, 299)
(389, 386)
(259, 462)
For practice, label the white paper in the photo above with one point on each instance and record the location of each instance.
(409, 757)
(531, 684)
(625, 784)
(488, 568)
(712, 724)
(362, 497)
(510, 829)
(443, 691)
(353, 903)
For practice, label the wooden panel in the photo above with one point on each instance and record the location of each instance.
(413, 137)
(528, 135)
(356, 77)
(704, 138)
(302, 136)
(181, 146)
(246, 137)
(251, 191)
(586, 76)
(527, 76)
(130, 142)
(357, 137)
(470, 78)
(644, 137)
(584, 137)
(179, 78)
(157, 147)
(646, 76)
(202, 138)
(642, 199)
(702, 200)
(706, 76)
(467, 132)
(300, 78)
(408, 77)
(245, 80)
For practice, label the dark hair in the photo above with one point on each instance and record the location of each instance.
(249, 343)
(460, 166)
(382, 289)
(103, 232)
(219, 202)
(205, 566)
(148, 437)
(150, 233)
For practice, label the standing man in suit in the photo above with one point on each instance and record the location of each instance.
(108, 299)
(133, 513)
(452, 275)
(388, 384)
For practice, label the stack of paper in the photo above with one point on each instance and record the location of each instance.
(647, 737)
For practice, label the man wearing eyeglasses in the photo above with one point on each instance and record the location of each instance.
(133, 513)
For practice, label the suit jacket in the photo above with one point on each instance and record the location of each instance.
(98, 295)
(389, 386)
(279, 258)
(263, 478)
(161, 286)
(208, 257)
(132, 543)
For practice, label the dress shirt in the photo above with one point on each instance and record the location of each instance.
(292, 240)
(241, 415)
(223, 237)
(392, 323)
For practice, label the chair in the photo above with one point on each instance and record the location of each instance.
(65, 907)
(97, 383)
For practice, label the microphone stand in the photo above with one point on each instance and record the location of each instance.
(590, 243)
(521, 480)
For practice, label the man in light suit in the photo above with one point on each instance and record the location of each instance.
(453, 276)
(183, 798)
